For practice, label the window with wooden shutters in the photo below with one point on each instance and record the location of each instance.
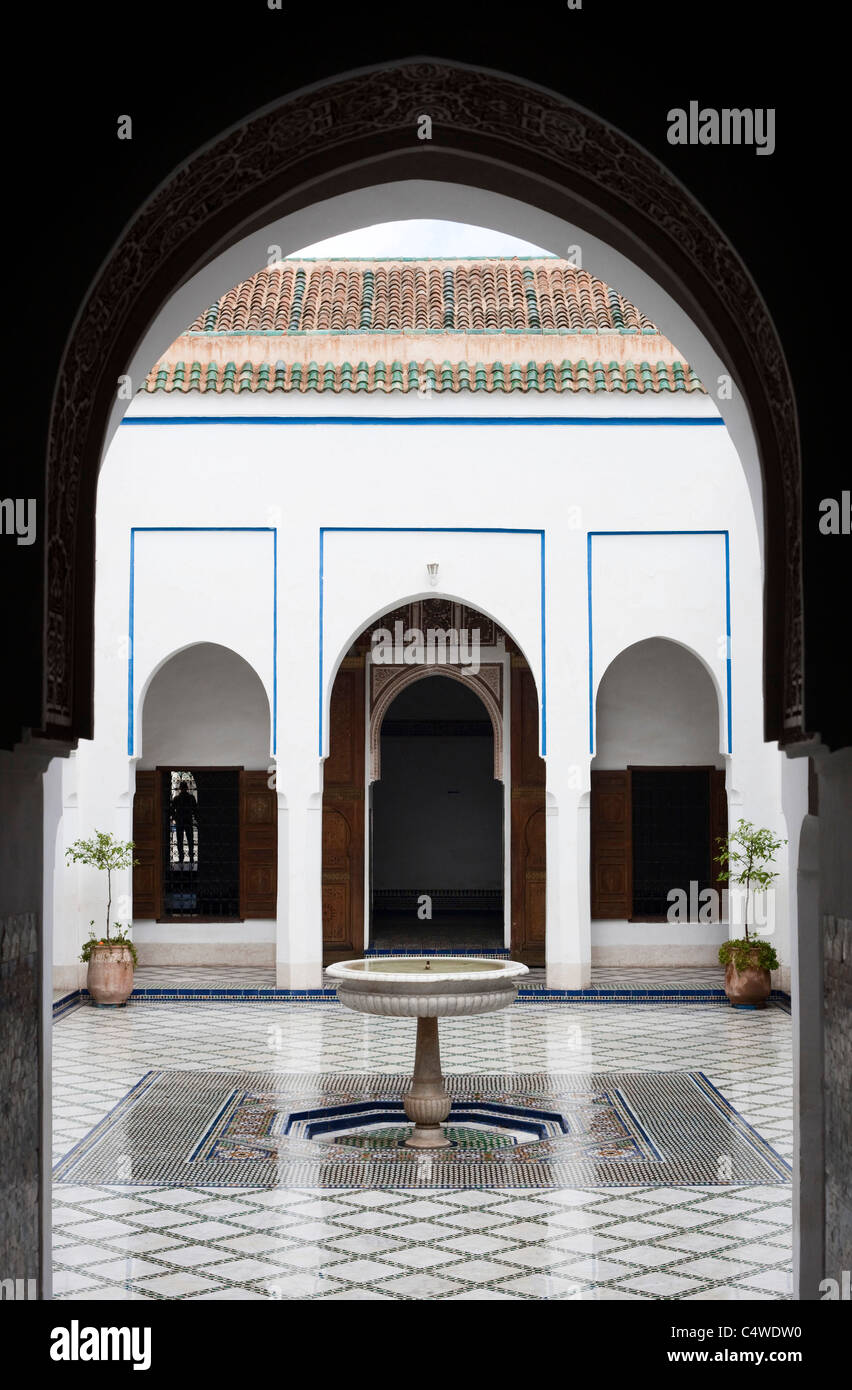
(147, 872)
(654, 830)
(258, 846)
(718, 827)
(611, 850)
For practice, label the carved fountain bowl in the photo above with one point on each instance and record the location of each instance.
(427, 986)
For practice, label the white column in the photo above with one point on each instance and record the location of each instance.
(299, 933)
(568, 949)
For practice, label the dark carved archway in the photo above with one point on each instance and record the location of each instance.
(490, 132)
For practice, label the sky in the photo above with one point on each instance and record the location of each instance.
(422, 237)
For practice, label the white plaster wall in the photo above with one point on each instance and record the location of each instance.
(412, 198)
(204, 586)
(482, 483)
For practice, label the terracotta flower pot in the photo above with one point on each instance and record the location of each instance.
(750, 986)
(109, 978)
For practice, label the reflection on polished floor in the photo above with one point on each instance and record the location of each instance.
(131, 1239)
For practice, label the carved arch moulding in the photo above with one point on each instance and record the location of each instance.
(487, 684)
(490, 132)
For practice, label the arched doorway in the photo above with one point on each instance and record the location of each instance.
(658, 798)
(411, 712)
(204, 813)
(609, 174)
(437, 823)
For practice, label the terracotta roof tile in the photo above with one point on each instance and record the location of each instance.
(494, 325)
(535, 295)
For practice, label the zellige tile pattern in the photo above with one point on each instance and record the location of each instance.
(684, 1242)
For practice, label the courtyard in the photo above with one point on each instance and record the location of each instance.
(723, 1239)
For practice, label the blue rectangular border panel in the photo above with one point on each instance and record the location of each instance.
(263, 530)
(725, 534)
(440, 530)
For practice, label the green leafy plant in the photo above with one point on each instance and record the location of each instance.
(746, 854)
(118, 938)
(103, 851)
(748, 955)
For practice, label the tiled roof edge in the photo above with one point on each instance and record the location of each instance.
(567, 375)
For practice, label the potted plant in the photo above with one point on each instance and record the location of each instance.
(746, 854)
(110, 958)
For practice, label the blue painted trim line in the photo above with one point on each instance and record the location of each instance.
(439, 530)
(268, 530)
(726, 535)
(328, 995)
(518, 420)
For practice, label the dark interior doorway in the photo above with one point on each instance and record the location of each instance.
(201, 844)
(437, 824)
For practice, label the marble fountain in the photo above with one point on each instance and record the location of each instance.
(427, 988)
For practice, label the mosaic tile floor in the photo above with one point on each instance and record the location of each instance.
(674, 1242)
(248, 1129)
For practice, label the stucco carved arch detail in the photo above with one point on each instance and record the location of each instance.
(408, 676)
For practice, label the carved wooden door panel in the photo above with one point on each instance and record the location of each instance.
(343, 818)
(148, 850)
(258, 846)
(718, 828)
(528, 848)
(611, 847)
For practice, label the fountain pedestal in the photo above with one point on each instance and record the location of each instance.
(428, 1102)
(427, 989)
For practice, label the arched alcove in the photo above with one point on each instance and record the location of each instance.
(205, 808)
(657, 703)
(205, 704)
(658, 798)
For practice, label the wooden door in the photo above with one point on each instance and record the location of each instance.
(718, 829)
(343, 818)
(148, 849)
(611, 849)
(258, 846)
(528, 837)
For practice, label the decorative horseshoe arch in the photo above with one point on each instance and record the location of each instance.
(492, 133)
(400, 680)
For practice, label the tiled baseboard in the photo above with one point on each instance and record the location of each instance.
(328, 994)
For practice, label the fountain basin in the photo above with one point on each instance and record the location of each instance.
(427, 988)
